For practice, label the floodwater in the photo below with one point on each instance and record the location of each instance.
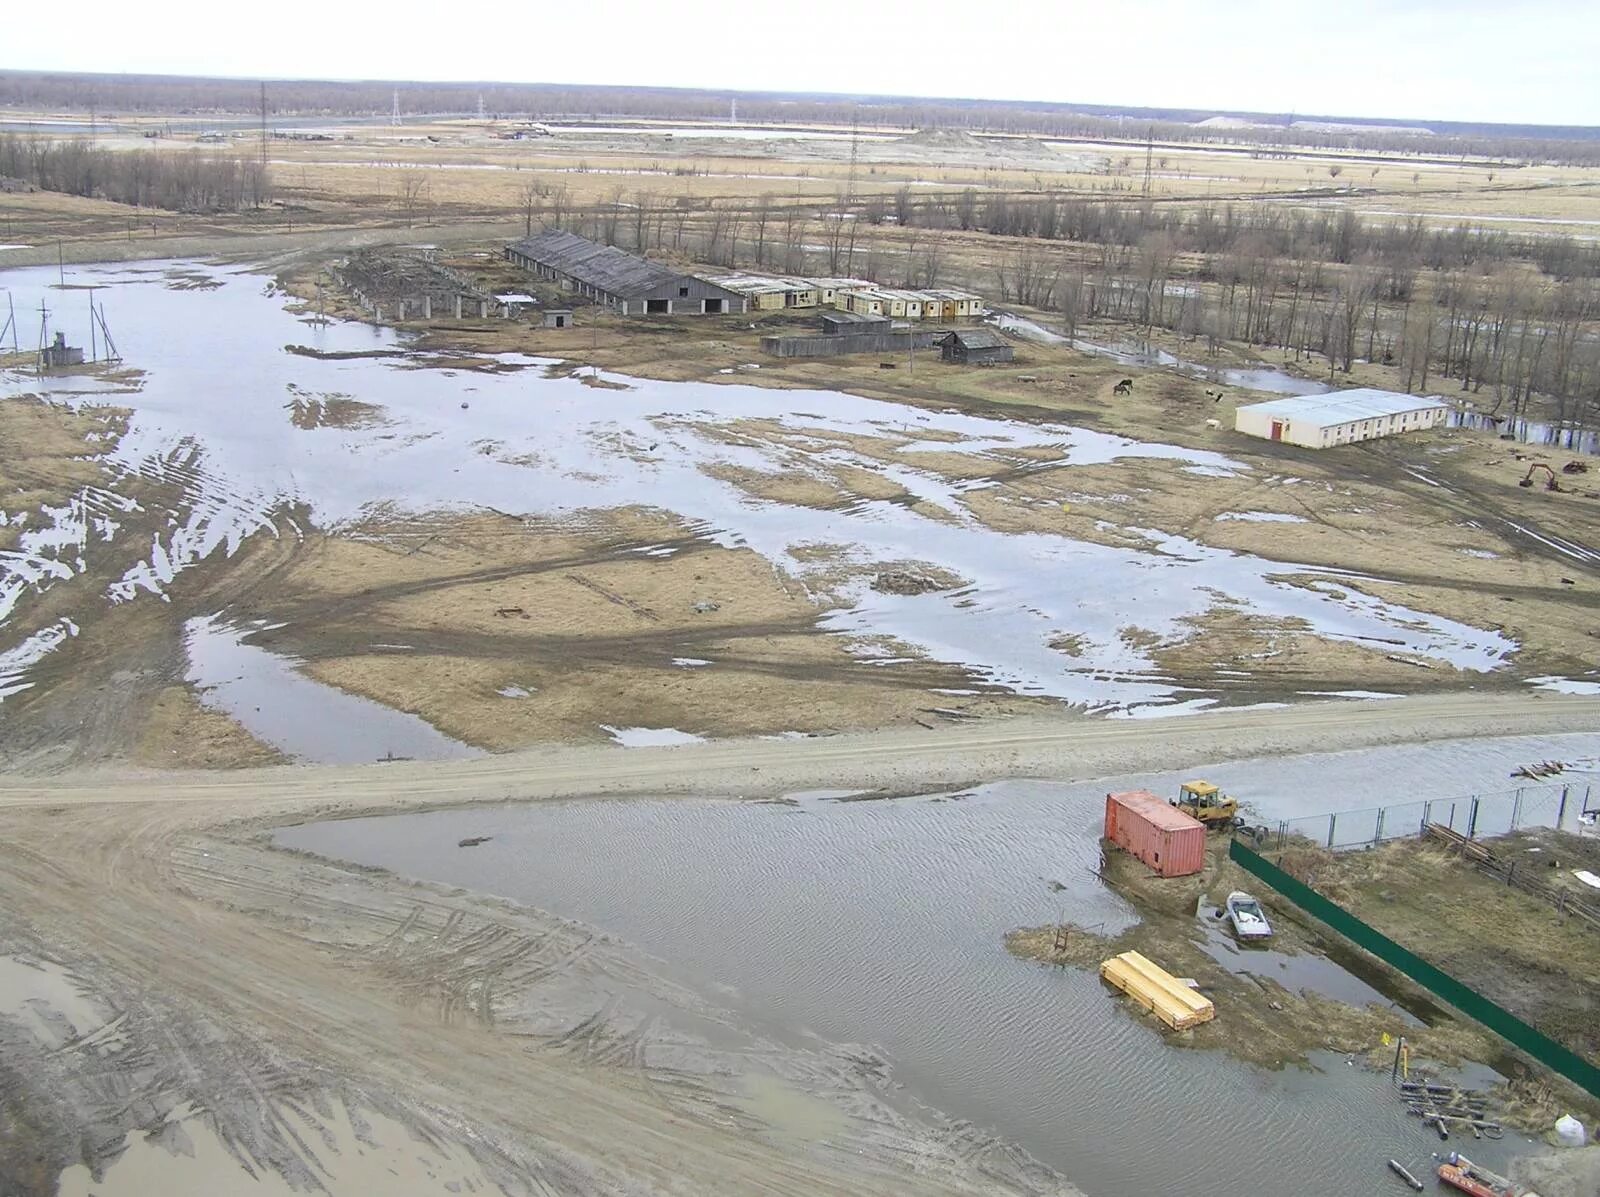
(1530, 432)
(302, 718)
(881, 923)
(212, 415)
(1251, 378)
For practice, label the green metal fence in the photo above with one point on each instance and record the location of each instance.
(1465, 999)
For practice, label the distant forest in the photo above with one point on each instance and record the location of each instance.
(198, 98)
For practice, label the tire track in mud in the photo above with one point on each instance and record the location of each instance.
(253, 983)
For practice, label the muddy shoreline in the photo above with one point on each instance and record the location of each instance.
(154, 893)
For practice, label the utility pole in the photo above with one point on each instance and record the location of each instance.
(855, 151)
(94, 349)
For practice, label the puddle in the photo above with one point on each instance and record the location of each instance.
(46, 1000)
(208, 419)
(300, 717)
(880, 923)
(1564, 685)
(345, 1151)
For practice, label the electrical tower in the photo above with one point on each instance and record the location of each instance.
(480, 105)
(263, 122)
(733, 111)
(394, 116)
(1149, 152)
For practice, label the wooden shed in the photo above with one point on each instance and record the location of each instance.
(976, 347)
(1164, 837)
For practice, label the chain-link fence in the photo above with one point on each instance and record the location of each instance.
(1565, 807)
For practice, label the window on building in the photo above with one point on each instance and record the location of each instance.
(683, 292)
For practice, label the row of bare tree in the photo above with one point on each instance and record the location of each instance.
(176, 180)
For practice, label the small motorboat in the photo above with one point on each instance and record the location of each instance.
(1248, 919)
(1457, 1171)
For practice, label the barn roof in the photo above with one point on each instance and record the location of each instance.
(978, 338)
(604, 266)
(1341, 407)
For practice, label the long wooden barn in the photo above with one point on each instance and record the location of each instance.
(631, 285)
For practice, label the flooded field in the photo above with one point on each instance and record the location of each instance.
(264, 425)
(879, 923)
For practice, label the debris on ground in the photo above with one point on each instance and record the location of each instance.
(472, 841)
(908, 582)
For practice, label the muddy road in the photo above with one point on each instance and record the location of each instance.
(170, 979)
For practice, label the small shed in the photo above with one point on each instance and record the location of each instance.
(1169, 841)
(58, 354)
(557, 318)
(976, 347)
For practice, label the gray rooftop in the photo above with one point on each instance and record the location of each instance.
(612, 270)
(978, 338)
(1341, 407)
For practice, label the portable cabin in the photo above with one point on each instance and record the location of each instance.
(1172, 843)
(557, 318)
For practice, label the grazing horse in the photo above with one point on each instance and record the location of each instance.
(1125, 387)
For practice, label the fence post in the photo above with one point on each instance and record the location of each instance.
(1472, 818)
(1427, 810)
(1561, 811)
(1516, 809)
(1332, 819)
(1377, 831)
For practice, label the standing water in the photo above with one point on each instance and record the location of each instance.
(881, 923)
(228, 374)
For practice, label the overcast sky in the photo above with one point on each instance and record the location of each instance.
(1480, 60)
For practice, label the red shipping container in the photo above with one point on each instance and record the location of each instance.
(1169, 841)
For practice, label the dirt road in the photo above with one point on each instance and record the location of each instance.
(219, 992)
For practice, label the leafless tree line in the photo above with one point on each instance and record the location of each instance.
(1503, 332)
(174, 180)
(778, 236)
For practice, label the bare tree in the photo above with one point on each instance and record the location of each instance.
(413, 185)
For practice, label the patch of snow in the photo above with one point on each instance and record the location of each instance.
(1348, 694)
(650, 737)
(1262, 517)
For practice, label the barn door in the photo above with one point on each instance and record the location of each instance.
(1277, 430)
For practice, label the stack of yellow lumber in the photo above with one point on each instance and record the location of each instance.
(1158, 991)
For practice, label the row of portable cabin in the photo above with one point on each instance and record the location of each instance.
(776, 292)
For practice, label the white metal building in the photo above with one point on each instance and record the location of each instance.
(1339, 417)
